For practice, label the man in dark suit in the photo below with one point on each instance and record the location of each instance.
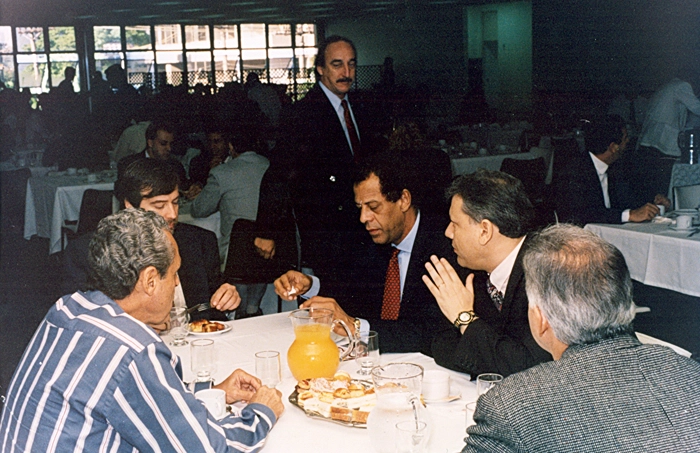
(406, 317)
(159, 141)
(605, 391)
(590, 189)
(490, 216)
(321, 139)
(151, 184)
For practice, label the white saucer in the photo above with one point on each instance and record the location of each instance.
(454, 397)
(683, 230)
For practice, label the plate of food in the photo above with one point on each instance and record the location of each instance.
(205, 328)
(341, 399)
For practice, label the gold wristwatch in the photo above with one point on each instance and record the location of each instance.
(357, 326)
(465, 318)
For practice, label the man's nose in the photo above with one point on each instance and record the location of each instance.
(365, 214)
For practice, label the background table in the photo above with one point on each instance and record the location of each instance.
(466, 165)
(51, 200)
(656, 255)
(295, 432)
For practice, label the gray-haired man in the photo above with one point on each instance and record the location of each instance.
(97, 377)
(604, 391)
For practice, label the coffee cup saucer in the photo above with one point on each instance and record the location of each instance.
(454, 395)
(683, 230)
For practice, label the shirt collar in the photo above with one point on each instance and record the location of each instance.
(407, 244)
(335, 100)
(600, 166)
(500, 276)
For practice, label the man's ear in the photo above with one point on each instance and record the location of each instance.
(539, 323)
(486, 231)
(127, 204)
(148, 281)
(405, 200)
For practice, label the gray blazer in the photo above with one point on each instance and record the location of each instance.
(614, 396)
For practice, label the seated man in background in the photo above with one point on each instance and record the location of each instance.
(151, 184)
(589, 189)
(490, 218)
(97, 377)
(605, 391)
(215, 153)
(233, 188)
(384, 289)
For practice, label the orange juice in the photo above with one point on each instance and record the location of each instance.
(313, 354)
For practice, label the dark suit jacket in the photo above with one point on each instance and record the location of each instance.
(614, 396)
(579, 197)
(313, 146)
(125, 161)
(420, 317)
(200, 269)
(497, 342)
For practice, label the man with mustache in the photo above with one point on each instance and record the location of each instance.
(321, 139)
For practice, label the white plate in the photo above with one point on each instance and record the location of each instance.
(210, 334)
(457, 395)
(683, 230)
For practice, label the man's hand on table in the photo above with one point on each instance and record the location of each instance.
(265, 247)
(644, 213)
(225, 298)
(338, 313)
(451, 294)
(292, 284)
(241, 386)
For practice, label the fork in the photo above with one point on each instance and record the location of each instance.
(198, 307)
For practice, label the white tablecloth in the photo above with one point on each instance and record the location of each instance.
(35, 171)
(295, 432)
(53, 199)
(466, 165)
(656, 255)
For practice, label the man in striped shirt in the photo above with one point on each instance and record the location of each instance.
(97, 378)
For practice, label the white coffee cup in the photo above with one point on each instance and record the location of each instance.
(72, 171)
(214, 400)
(436, 385)
(684, 222)
(662, 209)
(92, 177)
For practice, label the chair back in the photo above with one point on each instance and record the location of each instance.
(95, 206)
(531, 172)
(686, 197)
(13, 194)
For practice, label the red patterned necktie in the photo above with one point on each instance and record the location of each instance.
(495, 294)
(392, 289)
(354, 139)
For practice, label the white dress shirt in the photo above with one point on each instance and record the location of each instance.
(602, 169)
(501, 274)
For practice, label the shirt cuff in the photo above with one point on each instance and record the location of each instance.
(364, 326)
(625, 216)
(315, 288)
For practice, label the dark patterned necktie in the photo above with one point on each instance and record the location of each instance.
(495, 294)
(354, 139)
(392, 289)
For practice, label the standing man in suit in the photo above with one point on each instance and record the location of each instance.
(605, 391)
(320, 142)
(490, 218)
(383, 288)
(589, 189)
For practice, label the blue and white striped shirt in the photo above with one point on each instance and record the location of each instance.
(95, 379)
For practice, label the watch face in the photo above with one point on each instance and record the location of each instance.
(465, 316)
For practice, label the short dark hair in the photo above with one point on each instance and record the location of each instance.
(599, 135)
(152, 176)
(124, 244)
(391, 170)
(498, 197)
(321, 54)
(155, 126)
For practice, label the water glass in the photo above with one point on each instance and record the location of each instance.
(486, 381)
(471, 408)
(203, 361)
(367, 352)
(267, 368)
(411, 436)
(179, 322)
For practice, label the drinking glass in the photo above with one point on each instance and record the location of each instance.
(486, 381)
(179, 321)
(202, 359)
(411, 436)
(367, 352)
(267, 368)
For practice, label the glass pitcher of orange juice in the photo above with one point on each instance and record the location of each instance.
(313, 353)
